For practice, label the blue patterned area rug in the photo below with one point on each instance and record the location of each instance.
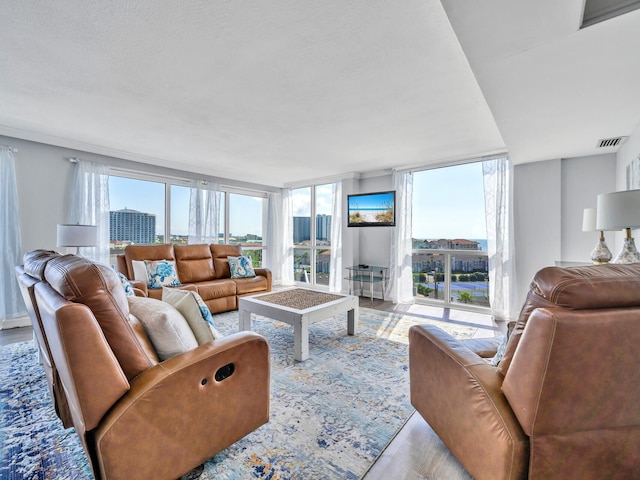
(331, 416)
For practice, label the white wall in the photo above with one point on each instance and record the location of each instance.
(374, 246)
(537, 217)
(583, 179)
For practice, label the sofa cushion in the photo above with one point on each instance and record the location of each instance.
(241, 267)
(97, 286)
(216, 289)
(140, 271)
(194, 263)
(167, 329)
(220, 263)
(194, 310)
(162, 273)
(255, 284)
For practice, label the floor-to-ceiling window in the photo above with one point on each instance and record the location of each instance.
(147, 209)
(246, 216)
(312, 233)
(449, 261)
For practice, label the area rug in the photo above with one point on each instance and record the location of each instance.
(331, 415)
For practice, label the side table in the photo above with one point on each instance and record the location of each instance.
(363, 274)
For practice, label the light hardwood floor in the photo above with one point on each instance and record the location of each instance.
(416, 452)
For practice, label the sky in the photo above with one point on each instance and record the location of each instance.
(448, 202)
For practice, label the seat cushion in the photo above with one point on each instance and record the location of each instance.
(216, 289)
(248, 285)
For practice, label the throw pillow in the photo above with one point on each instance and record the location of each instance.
(194, 310)
(162, 273)
(495, 360)
(140, 271)
(128, 289)
(167, 329)
(241, 267)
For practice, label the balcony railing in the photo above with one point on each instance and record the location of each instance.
(451, 278)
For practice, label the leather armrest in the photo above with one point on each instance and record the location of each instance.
(484, 347)
(458, 393)
(265, 272)
(140, 288)
(177, 414)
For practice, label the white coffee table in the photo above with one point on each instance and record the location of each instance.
(299, 307)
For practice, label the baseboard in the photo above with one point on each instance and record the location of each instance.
(15, 322)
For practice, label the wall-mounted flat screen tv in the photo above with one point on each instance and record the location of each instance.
(371, 209)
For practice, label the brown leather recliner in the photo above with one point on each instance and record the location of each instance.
(564, 401)
(138, 417)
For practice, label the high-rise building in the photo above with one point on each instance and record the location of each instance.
(302, 228)
(323, 227)
(132, 226)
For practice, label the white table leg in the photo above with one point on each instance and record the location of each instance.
(245, 319)
(352, 320)
(301, 339)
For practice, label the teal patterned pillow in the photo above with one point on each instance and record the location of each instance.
(162, 273)
(128, 289)
(241, 267)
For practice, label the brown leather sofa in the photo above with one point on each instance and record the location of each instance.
(138, 417)
(201, 268)
(564, 401)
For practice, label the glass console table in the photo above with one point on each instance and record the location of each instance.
(367, 274)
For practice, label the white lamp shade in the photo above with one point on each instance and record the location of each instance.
(618, 210)
(77, 235)
(589, 220)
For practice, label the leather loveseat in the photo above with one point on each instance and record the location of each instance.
(563, 402)
(201, 268)
(137, 416)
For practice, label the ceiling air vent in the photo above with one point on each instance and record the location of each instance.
(610, 142)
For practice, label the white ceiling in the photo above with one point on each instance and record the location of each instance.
(288, 90)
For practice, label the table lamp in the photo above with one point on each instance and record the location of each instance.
(601, 253)
(621, 211)
(77, 236)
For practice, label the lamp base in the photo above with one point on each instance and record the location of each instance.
(601, 254)
(629, 252)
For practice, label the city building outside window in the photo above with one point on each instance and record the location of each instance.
(312, 239)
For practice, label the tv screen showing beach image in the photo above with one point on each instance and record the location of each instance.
(372, 209)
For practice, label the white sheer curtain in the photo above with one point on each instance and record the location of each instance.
(279, 254)
(335, 268)
(204, 212)
(90, 206)
(11, 304)
(400, 285)
(498, 198)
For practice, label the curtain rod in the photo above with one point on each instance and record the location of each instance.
(13, 149)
